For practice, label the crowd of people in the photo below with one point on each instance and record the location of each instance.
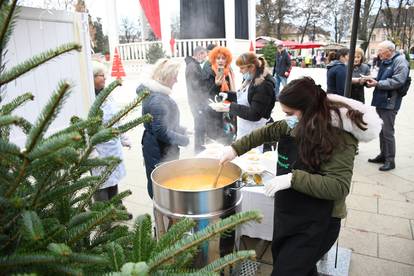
(318, 138)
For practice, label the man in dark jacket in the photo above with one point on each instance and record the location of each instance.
(197, 95)
(392, 75)
(281, 68)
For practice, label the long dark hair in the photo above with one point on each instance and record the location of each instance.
(315, 135)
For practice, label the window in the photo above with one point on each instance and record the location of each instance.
(373, 38)
(373, 51)
(241, 19)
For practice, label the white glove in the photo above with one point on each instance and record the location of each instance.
(228, 154)
(277, 183)
(220, 107)
(125, 141)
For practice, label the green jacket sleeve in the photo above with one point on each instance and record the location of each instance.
(334, 180)
(266, 134)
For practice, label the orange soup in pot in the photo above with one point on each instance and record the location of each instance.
(196, 182)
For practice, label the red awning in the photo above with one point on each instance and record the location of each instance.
(290, 44)
(308, 45)
(152, 12)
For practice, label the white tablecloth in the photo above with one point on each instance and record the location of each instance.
(255, 199)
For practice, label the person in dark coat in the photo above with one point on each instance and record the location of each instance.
(163, 135)
(360, 69)
(336, 74)
(219, 78)
(197, 95)
(281, 68)
(255, 98)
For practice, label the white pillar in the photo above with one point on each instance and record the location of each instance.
(229, 20)
(165, 21)
(113, 29)
(252, 22)
(143, 21)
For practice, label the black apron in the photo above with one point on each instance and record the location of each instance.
(300, 221)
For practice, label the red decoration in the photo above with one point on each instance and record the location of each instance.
(117, 68)
(172, 43)
(251, 46)
(152, 12)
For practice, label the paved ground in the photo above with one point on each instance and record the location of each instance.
(379, 228)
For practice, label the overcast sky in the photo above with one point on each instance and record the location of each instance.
(97, 8)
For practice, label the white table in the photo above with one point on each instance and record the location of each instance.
(253, 197)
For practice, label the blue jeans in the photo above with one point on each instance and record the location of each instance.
(279, 80)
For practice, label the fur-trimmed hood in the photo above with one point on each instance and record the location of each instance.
(264, 76)
(370, 117)
(155, 86)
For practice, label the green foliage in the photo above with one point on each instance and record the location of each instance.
(269, 53)
(49, 224)
(154, 53)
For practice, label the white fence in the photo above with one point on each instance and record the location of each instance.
(38, 30)
(182, 47)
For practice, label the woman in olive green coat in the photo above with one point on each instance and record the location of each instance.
(310, 200)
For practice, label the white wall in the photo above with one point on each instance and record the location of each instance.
(36, 31)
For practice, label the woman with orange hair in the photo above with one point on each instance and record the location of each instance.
(220, 78)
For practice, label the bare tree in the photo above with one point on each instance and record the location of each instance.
(129, 30)
(272, 15)
(342, 16)
(313, 13)
(393, 19)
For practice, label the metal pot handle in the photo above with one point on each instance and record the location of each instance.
(240, 184)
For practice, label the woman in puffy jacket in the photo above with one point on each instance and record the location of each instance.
(163, 135)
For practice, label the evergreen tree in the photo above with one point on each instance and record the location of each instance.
(48, 222)
(101, 40)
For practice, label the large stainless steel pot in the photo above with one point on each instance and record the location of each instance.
(204, 207)
(180, 202)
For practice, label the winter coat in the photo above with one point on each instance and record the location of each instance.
(165, 124)
(163, 134)
(282, 64)
(110, 148)
(357, 91)
(261, 98)
(196, 85)
(391, 76)
(336, 76)
(333, 180)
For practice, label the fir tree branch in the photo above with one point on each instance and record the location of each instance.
(8, 148)
(143, 242)
(103, 177)
(29, 259)
(201, 236)
(104, 135)
(137, 101)
(35, 61)
(51, 145)
(78, 126)
(15, 103)
(32, 227)
(7, 120)
(47, 115)
(95, 108)
(79, 232)
(219, 264)
(175, 233)
(127, 126)
(116, 255)
(7, 24)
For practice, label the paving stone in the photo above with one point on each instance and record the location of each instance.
(396, 249)
(359, 241)
(396, 208)
(378, 191)
(362, 265)
(393, 182)
(406, 173)
(383, 224)
(362, 203)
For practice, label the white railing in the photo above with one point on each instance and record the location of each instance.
(136, 50)
(183, 47)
